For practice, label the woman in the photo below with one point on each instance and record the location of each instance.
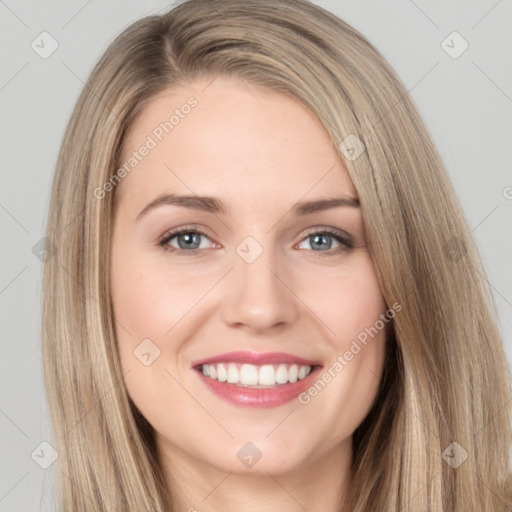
(266, 295)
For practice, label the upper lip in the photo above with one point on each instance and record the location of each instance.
(255, 358)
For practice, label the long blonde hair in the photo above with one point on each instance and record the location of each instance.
(445, 380)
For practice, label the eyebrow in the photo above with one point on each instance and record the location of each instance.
(214, 205)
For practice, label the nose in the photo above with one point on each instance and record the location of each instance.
(259, 296)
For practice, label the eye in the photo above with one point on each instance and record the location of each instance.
(323, 241)
(185, 239)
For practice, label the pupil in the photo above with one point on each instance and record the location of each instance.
(323, 240)
(190, 240)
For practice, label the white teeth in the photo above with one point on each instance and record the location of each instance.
(267, 375)
(233, 374)
(222, 375)
(293, 373)
(282, 374)
(248, 375)
(252, 375)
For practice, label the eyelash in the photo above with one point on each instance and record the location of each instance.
(345, 243)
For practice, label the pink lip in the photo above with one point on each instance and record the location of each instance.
(256, 359)
(257, 397)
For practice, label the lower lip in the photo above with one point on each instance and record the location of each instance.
(258, 397)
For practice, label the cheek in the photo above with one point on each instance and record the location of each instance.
(149, 304)
(150, 298)
(351, 307)
(157, 310)
(346, 301)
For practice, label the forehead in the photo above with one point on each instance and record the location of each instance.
(227, 138)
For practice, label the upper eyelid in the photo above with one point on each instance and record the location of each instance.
(171, 233)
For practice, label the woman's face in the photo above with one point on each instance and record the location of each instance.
(268, 289)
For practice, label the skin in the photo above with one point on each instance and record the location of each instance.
(259, 152)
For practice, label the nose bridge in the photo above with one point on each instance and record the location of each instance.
(258, 296)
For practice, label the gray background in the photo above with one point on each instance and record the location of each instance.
(465, 101)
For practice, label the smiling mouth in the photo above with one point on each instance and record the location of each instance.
(255, 376)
